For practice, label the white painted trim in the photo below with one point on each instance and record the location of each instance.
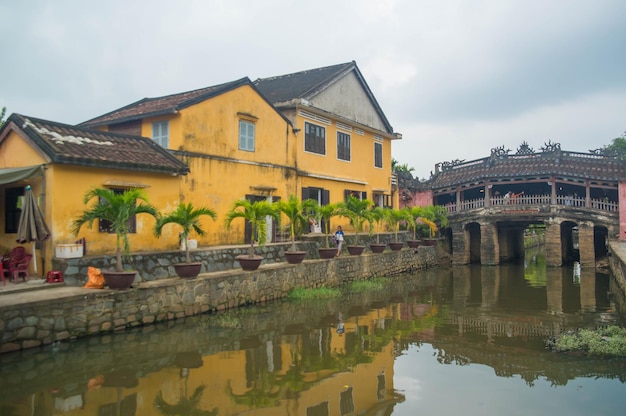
(331, 178)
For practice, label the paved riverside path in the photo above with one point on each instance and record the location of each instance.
(36, 290)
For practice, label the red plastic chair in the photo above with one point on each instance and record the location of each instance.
(16, 263)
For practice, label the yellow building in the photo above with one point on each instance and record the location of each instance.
(316, 134)
(61, 163)
(236, 144)
(343, 137)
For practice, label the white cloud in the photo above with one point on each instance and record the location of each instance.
(455, 77)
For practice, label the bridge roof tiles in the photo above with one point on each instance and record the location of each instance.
(567, 165)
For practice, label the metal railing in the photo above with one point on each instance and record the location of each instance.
(535, 200)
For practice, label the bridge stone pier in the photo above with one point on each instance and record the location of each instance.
(496, 235)
(574, 198)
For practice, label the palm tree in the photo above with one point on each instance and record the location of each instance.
(324, 213)
(377, 215)
(394, 217)
(412, 214)
(256, 213)
(188, 218)
(295, 210)
(434, 216)
(117, 209)
(356, 210)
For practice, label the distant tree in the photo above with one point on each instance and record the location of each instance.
(2, 114)
(397, 167)
(616, 148)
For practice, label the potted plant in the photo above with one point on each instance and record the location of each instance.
(412, 214)
(256, 213)
(393, 218)
(324, 213)
(356, 210)
(377, 216)
(188, 218)
(433, 217)
(295, 210)
(117, 208)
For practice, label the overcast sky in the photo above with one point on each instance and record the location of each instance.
(456, 78)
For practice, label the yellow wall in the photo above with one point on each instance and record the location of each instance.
(62, 201)
(329, 172)
(208, 133)
(67, 186)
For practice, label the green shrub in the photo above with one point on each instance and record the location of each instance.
(608, 341)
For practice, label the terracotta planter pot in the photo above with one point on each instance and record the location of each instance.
(413, 243)
(327, 253)
(377, 248)
(249, 263)
(429, 241)
(396, 246)
(356, 250)
(119, 280)
(188, 270)
(295, 257)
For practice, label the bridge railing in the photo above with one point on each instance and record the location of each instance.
(534, 200)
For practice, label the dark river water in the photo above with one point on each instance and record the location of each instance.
(453, 341)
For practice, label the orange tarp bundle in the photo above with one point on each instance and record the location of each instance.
(95, 279)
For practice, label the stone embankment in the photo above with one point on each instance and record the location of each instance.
(67, 313)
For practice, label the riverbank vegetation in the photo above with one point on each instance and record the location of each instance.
(376, 283)
(607, 341)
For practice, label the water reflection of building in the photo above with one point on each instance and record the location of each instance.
(312, 371)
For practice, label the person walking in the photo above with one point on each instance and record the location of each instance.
(339, 237)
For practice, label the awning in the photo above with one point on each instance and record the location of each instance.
(10, 175)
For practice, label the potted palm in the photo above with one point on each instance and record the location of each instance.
(377, 216)
(188, 218)
(433, 217)
(393, 218)
(324, 213)
(295, 210)
(356, 210)
(117, 208)
(413, 213)
(257, 214)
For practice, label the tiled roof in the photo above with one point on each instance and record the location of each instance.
(307, 84)
(304, 84)
(561, 164)
(150, 107)
(71, 145)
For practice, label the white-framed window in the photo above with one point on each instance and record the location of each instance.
(161, 133)
(314, 138)
(246, 135)
(343, 146)
(378, 154)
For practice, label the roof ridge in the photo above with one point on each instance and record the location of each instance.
(323, 68)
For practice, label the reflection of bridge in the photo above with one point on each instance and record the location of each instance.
(492, 201)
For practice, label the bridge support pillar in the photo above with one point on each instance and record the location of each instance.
(586, 246)
(460, 245)
(554, 251)
(489, 244)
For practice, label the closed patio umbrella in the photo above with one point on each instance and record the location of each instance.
(32, 226)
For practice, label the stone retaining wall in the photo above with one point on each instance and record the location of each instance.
(153, 266)
(617, 263)
(97, 311)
